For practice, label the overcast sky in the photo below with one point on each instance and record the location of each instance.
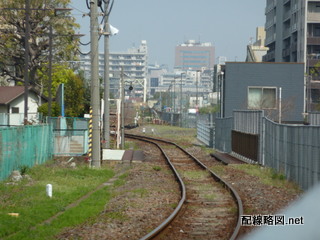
(227, 24)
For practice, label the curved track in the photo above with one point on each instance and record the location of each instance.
(209, 207)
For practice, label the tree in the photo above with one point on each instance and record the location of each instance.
(74, 96)
(55, 109)
(74, 88)
(208, 109)
(43, 15)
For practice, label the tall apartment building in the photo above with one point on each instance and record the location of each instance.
(193, 55)
(293, 35)
(134, 63)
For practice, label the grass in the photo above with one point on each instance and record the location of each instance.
(210, 197)
(177, 134)
(195, 175)
(121, 180)
(219, 170)
(28, 199)
(131, 145)
(140, 192)
(267, 176)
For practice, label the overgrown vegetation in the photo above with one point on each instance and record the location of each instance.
(179, 135)
(208, 109)
(267, 176)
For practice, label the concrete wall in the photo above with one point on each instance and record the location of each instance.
(289, 76)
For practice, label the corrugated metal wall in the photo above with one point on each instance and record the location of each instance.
(223, 128)
(314, 118)
(205, 133)
(24, 146)
(248, 121)
(294, 151)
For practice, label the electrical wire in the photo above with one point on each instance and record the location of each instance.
(83, 53)
(88, 6)
(110, 9)
(73, 7)
(84, 44)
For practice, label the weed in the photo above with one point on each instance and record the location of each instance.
(117, 215)
(141, 192)
(277, 176)
(173, 205)
(195, 175)
(24, 169)
(210, 197)
(157, 168)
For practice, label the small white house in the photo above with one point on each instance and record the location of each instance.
(12, 105)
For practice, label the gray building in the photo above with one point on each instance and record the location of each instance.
(293, 35)
(260, 85)
(193, 55)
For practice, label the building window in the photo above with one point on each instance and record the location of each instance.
(14, 110)
(262, 97)
(154, 82)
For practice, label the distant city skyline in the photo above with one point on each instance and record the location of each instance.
(228, 25)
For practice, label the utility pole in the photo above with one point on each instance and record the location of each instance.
(197, 72)
(106, 119)
(95, 85)
(26, 62)
(50, 71)
(122, 108)
(174, 95)
(181, 94)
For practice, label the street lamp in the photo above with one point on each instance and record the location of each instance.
(221, 95)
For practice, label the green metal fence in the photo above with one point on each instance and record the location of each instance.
(24, 146)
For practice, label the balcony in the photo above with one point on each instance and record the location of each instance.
(270, 6)
(286, 33)
(269, 57)
(286, 16)
(294, 8)
(286, 1)
(313, 59)
(270, 39)
(294, 47)
(286, 52)
(294, 27)
(313, 41)
(313, 17)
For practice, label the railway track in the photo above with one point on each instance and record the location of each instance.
(209, 207)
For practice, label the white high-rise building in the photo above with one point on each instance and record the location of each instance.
(134, 63)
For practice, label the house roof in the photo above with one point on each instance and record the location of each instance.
(8, 94)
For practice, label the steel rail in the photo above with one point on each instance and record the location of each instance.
(165, 223)
(234, 193)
